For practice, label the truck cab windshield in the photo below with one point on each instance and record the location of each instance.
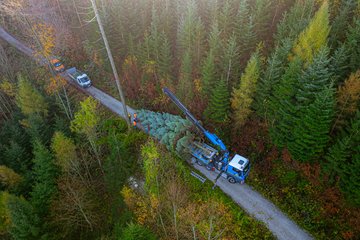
(57, 64)
(83, 80)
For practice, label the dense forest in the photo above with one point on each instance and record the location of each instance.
(278, 81)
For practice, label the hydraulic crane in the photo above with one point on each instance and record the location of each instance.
(235, 170)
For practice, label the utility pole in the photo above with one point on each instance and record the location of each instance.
(111, 61)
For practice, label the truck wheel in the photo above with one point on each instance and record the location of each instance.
(199, 163)
(231, 180)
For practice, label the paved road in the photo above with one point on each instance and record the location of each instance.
(250, 200)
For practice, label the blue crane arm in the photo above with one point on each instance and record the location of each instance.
(212, 137)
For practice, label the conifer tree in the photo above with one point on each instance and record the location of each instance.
(343, 159)
(243, 97)
(262, 17)
(24, 221)
(311, 132)
(214, 39)
(314, 79)
(165, 61)
(314, 37)
(230, 62)
(282, 110)
(191, 34)
(341, 23)
(295, 20)
(225, 19)
(271, 78)
(45, 173)
(339, 64)
(219, 103)
(185, 85)
(208, 73)
(29, 99)
(353, 45)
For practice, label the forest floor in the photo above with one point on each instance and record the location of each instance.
(253, 202)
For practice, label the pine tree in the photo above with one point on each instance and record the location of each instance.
(208, 73)
(295, 21)
(282, 108)
(314, 78)
(262, 17)
(311, 132)
(243, 97)
(24, 221)
(343, 159)
(185, 85)
(219, 103)
(230, 62)
(45, 173)
(137, 232)
(191, 34)
(225, 19)
(165, 62)
(339, 64)
(29, 99)
(314, 37)
(271, 77)
(341, 23)
(215, 42)
(353, 45)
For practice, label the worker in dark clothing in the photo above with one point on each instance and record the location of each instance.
(129, 116)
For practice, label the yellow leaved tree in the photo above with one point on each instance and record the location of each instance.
(314, 36)
(243, 96)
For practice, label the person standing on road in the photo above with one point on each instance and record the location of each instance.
(135, 120)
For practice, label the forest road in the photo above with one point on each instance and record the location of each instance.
(250, 200)
(259, 207)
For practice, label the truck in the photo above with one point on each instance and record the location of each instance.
(234, 167)
(79, 77)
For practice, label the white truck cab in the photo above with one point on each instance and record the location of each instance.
(81, 78)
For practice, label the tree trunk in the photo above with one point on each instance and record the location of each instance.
(111, 62)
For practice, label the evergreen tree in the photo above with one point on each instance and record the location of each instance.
(282, 107)
(295, 21)
(214, 39)
(219, 103)
(271, 77)
(185, 85)
(311, 132)
(137, 232)
(225, 19)
(314, 37)
(353, 45)
(262, 17)
(24, 221)
(343, 159)
(45, 173)
(230, 59)
(165, 62)
(339, 64)
(341, 23)
(29, 99)
(314, 78)
(243, 97)
(208, 73)
(191, 34)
